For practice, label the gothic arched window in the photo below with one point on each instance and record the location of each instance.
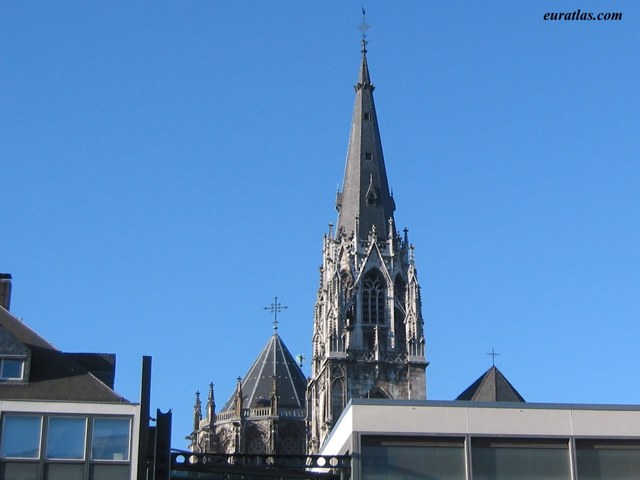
(337, 399)
(373, 299)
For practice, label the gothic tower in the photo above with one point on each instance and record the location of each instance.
(368, 336)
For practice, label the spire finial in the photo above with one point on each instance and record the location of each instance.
(275, 308)
(197, 413)
(363, 28)
(211, 403)
(493, 355)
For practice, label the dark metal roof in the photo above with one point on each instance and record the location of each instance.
(365, 192)
(53, 374)
(275, 360)
(492, 386)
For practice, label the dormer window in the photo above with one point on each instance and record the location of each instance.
(368, 156)
(11, 369)
(367, 117)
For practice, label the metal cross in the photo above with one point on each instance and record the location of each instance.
(363, 28)
(275, 308)
(493, 355)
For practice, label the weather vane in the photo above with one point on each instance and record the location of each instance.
(275, 308)
(363, 28)
(493, 355)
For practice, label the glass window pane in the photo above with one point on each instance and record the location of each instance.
(608, 460)
(11, 369)
(413, 458)
(110, 439)
(64, 471)
(20, 471)
(65, 437)
(109, 472)
(520, 459)
(21, 436)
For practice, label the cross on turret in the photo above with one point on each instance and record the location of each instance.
(493, 356)
(275, 308)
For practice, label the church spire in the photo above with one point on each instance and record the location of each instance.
(365, 200)
(368, 331)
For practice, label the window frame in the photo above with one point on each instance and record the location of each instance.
(42, 462)
(501, 444)
(37, 457)
(93, 430)
(85, 439)
(395, 443)
(11, 358)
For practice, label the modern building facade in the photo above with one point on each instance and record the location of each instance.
(60, 418)
(463, 440)
(368, 339)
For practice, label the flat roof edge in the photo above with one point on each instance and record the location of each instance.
(470, 404)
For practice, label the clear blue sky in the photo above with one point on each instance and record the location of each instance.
(166, 168)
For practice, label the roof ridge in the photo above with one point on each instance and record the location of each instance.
(284, 349)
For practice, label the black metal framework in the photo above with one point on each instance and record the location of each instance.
(222, 466)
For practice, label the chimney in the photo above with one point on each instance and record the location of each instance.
(5, 290)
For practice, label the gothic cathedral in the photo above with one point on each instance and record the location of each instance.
(368, 339)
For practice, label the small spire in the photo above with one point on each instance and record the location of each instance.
(238, 398)
(364, 80)
(211, 403)
(197, 413)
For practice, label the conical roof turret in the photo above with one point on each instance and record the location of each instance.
(274, 364)
(492, 386)
(365, 200)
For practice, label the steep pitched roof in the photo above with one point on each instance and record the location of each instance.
(492, 386)
(53, 374)
(365, 192)
(275, 360)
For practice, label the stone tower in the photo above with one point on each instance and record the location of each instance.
(368, 336)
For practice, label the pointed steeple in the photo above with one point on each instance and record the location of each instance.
(365, 200)
(368, 333)
(492, 386)
(275, 363)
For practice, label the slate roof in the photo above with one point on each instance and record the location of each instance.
(365, 191)
(274, 360)
(53, 374)
(492, 386)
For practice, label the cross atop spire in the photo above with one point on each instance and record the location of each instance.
(275, 308)
(493, 355)
(363, 28)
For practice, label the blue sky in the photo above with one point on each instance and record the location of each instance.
(166, 168)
